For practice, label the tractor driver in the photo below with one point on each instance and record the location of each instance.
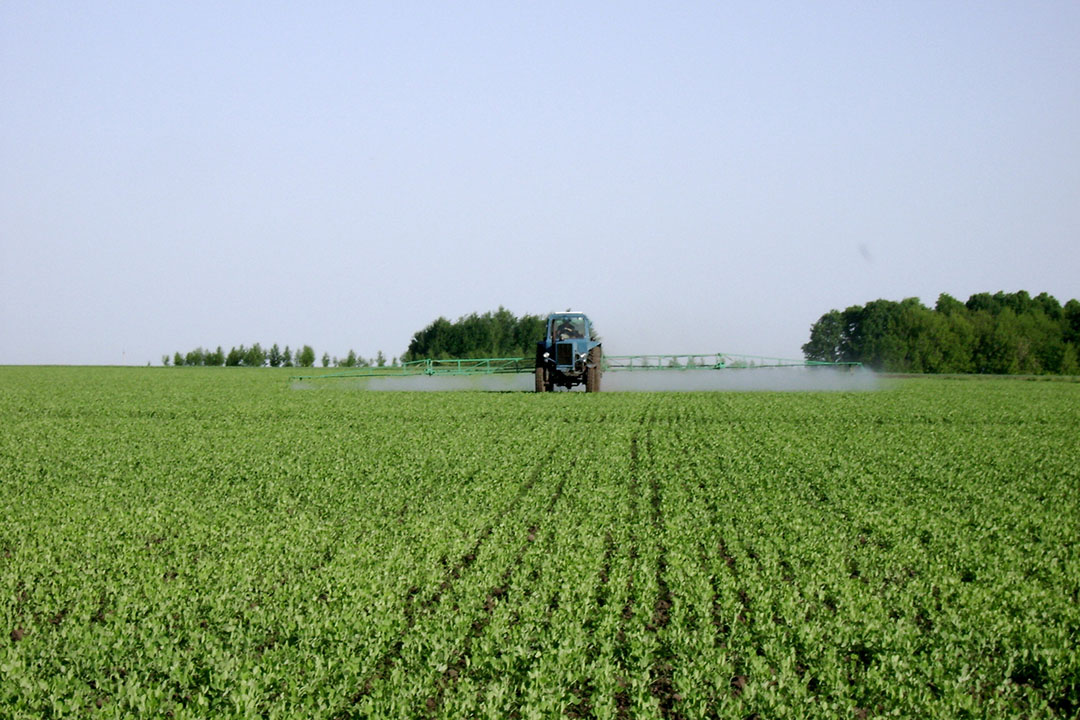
(567, 330)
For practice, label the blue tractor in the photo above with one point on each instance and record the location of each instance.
(569, 355)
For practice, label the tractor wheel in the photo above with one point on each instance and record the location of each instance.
(541, 381)
(592, 373)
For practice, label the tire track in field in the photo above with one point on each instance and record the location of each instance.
(661, 674)
(585, 689)
(739, 679)
(716, 611)
(739, 676)
(715, 615)
(746, 616)
(787, 576)
(622, 647)
(774, 616)
(413, 607)
(723, 629)
(461, 656)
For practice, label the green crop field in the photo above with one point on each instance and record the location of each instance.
(212, 542)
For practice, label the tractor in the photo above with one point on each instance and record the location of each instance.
(569, 355)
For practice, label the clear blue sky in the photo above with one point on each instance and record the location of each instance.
(698, 177)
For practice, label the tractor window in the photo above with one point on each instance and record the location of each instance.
(570, 328)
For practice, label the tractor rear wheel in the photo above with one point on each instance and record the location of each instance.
(592, 372)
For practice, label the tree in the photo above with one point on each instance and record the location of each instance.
(216, 358)
(827, 342)
(178, 359)
(274, 357)
(981, 302)
(306, 357)
(1070, 363)
(1049, 305)
(286, 357)
(1072, 322)
(380, 359)
(996, 342)
(255, 356)
(165, 360)
(326, 359)
(235, 357)
(873, 333)
(195, 357)
(948, 305)
(350, 359)
(954, 341)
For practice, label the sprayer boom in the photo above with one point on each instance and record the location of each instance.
(714, 361)
(610, 363)
(570, 354)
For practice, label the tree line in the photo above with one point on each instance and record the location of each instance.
(493, 334)
(256, 356)
(1002, 333)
